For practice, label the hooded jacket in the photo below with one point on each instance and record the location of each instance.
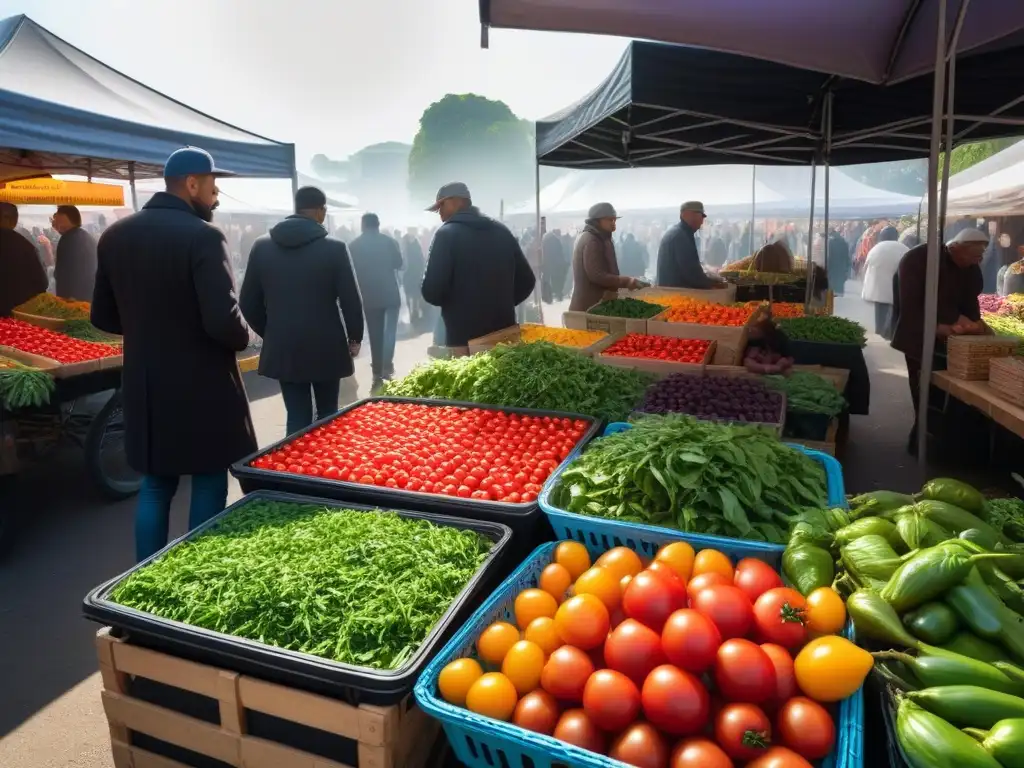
(298, 285)
(477, 274)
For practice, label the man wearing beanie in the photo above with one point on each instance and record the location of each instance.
(595, 268)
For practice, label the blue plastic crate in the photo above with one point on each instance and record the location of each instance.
(606, 533)
(480, 742)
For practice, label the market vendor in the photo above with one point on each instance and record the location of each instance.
(595, 267)
(958, 311)
(21, 273)
(678, 259)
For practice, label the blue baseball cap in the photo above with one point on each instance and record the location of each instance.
(192, 161)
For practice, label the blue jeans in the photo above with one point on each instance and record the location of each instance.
(298, 402)
(209, 495)
(382, 328)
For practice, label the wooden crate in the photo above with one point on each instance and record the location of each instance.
(731, 340)
(968, 356)
(828, 445)
(52, 367)
(41, 321)
(661, 368)
(584, 321)
(512, 334)
(725, 295)
(1006, 378)
(398, 736)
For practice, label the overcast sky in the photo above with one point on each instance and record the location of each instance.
(329, 75)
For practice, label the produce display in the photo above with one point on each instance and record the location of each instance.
(758, 359)
(48, 305)
(523, 376)
(362, 588)
(825, 328)
(645, 346)
(50, 344)
(808, 393)
(566, 337)
(698, 476)
(709, 313)
(718, 398)
(23, 386)
(631, 308)
(86, 331)
(784, 308)
(1012, 305)
(689, 661)
(1007, 325)
(464, 452)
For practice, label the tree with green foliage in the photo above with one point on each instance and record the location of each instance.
(966, 155)
(470, 138)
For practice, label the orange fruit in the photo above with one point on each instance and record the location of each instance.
(712, 561)
(542, 632)
(492, 695)
(572, 556)
(621, 561)
(494, 642)
(601, 583)
(678, 556)
(582, 621)
(532, 604)
(522, 665)
(556, 580)
(457, 678)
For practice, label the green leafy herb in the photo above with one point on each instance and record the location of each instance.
(824, 328)
(808, 393)
(86, 331)
(631, 308)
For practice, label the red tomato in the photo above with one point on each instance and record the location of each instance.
(703, 581)
(743, 731)
(611, 700)
(744, 672)
(566, 672)
(755, 577)
(651, 599)
(675, 701)
(537, 711)
(634, 650)
(785, 677)
(779, 757)
(806, 727)
(728, 607)
(664, 569)
(640, 745)
(780, 615)
(690, 640)
(574, 727)
(699, 753)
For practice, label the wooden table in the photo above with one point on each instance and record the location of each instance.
(981, 396)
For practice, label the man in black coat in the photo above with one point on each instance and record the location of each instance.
(296, 280)
(164, 282)
(21, 272)
(377, 261)
(476, 271)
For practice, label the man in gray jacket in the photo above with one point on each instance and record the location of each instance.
(678, 259)
(75, 269)
(377, 261)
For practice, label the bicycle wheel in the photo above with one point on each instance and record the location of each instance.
(105, 453)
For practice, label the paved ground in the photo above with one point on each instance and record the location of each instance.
(71, 541)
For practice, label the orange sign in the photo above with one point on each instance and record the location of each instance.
(56, 192)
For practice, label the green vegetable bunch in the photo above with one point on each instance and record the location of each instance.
(362, 588)
(695, 476)
(1007, 516)
(24, 387)
(632, 308)
(539, 375)
(808, 393)
(86, 331)
(825, 328)
(1007, 325)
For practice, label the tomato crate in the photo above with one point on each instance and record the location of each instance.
(482, 742)
(317, 674)
(524, 517)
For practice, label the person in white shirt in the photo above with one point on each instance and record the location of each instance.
(882, 262)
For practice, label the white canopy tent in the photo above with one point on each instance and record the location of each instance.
(1000, 193)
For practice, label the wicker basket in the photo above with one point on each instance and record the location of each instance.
(1006, 377)
(969, 356)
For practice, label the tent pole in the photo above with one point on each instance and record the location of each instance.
(931, 282)
(537, 247)
(828, 168)
(950, 128)
(810, 237)
(753, 207)
(131, 184)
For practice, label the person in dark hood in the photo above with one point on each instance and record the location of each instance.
(164, 282)
(839, 262)
(297, 279)
(476, 271)
(21, 272)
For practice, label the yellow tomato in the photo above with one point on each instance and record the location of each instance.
(566, 337)
(544, 633)
(825, 613)
(493, 695)
(678, 556)
(621, 561)
(602, 584)
(522, 665)
(831, 668)
(555, 580)
(712, 561)
(532, 604)
(457, 678)
(573, 556)
(494, 642)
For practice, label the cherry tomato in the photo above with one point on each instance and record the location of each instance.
(744, 672)
(665, 570)
(492, 695)
(611, 700)
(806, 727)
(555, 580)
(690, 640)
(826, 612)
(602, 584)
(778, 757)
(755, 577)
(640, 745)
(582, 621)
(572, 556)
(533, 604)
(456, 679)
(494, 642)
(743, 731)
(705, 580)
(699, 753)
(574, 727)
(537, 711)
(712, 561)
(785, 676)
(651, 599)
(679, 557)
(621, 561)
(780, 615)
(566, 672)
(634, 650)
(522, 665)
(544, 633)
(675, 701)
(728, 607)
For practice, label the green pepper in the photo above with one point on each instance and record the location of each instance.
(934, 623)
(954, 492)
(981, 538)
(949, 669)
(968, 706)
(808, 567)
(877, 502)
(956, 519)
(930, 742)
(869, 526)
(875, 619)
(928, 574)
(917, 531)
(869, 560)
(969, 644)
(998, 581)
(985, 614)
(1010, 669)
(1005, 742)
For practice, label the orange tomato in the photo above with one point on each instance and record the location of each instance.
(457, 678)
(544, 633)
(522, 665)
(572, 556)
(712, 561)
(493, 695)
(582, 621)
(494, 642)
(555, 579)
(679, 556)
(826, 612)
(621, 561)
(532, 604)
(601, 583)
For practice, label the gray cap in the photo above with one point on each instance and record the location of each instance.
(602, 211)
(693, 205)
(451, 189)
(969, 235)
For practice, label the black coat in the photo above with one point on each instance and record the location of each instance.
(21, 273)
(377, 260)
(164, 282)
(296, 279)
(679, 260)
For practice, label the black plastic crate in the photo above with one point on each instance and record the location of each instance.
(349, 682)
(524, 519)
(801, 425)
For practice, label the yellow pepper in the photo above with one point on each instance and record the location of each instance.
(562, 336)
(831, 668)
